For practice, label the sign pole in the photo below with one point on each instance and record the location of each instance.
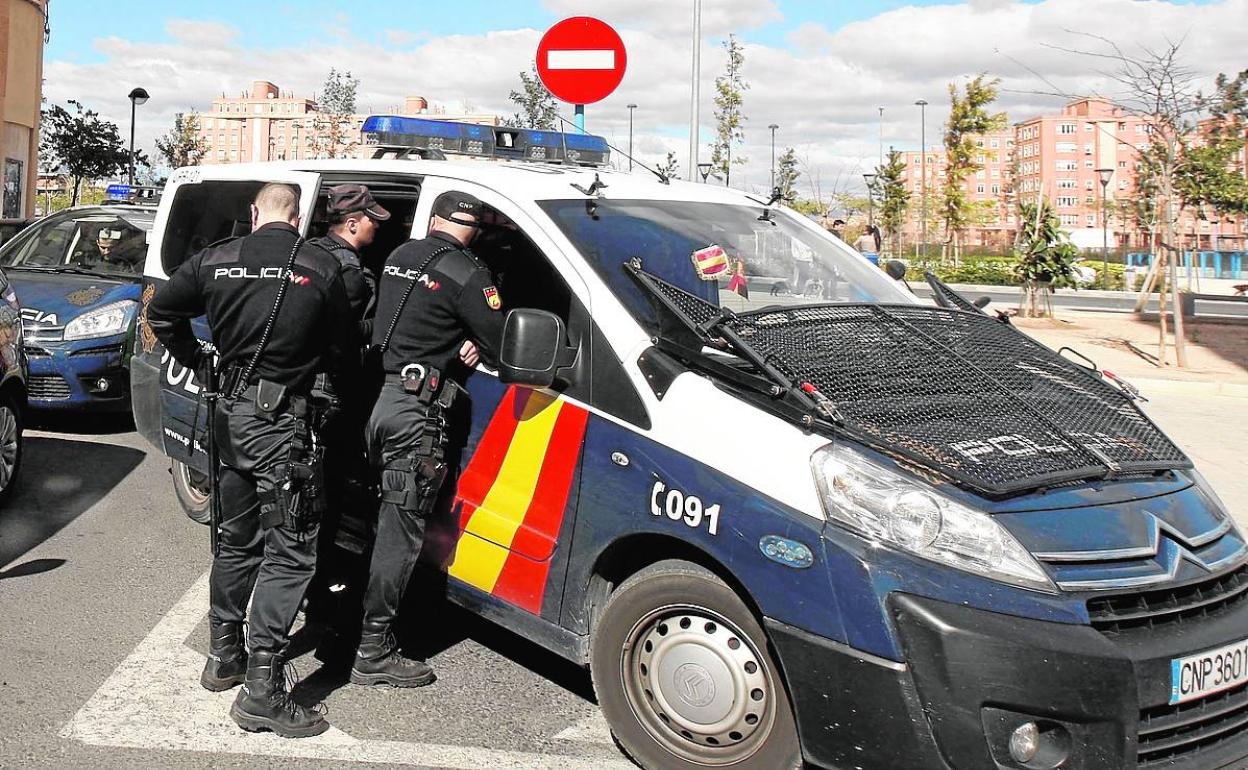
(579, 117)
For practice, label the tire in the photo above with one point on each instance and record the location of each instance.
(11, 427)
(191, 488)
(684, 676)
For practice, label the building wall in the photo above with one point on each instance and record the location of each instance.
(21, 81)
(269, 124)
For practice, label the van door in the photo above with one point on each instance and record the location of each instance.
(201, 205)
(515, 493)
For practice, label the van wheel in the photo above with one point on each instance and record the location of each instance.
(191, 488)
(10, 445)
(684, 677)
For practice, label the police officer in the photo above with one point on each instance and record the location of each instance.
(354, 217)
(433, 294)
(278, 313)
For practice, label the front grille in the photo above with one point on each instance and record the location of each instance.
(1176, 604)
(1169, 733)
(34, 352)
(103, 350)
(47, 387)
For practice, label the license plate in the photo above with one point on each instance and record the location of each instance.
(1208, 672)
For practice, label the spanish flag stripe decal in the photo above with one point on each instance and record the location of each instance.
(523, 579)
(482, 470)
(482, 550)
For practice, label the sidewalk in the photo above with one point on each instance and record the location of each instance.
(1128, 346)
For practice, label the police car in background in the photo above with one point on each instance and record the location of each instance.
(77, 274)
(851, 530)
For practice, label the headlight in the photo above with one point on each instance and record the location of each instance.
(101, 322)
(901, 512)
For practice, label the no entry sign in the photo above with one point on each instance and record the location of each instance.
(581, 60)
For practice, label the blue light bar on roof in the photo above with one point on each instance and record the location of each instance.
(401, 133)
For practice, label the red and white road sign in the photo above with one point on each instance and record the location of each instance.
(581, 60)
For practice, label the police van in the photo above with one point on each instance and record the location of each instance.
(841, 527)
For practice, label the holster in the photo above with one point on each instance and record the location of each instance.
(299, 501)
(425, 468)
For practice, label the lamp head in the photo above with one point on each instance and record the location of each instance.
(139, 96)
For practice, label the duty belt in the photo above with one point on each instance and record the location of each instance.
(420, 380)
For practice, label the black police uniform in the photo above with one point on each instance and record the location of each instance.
(451, 298)
(360, 285)
(267, 535)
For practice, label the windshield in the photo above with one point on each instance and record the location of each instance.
(723, 253)
(95, 241)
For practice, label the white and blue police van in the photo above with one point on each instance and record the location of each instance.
(839, 527)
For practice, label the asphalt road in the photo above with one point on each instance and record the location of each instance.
(1101, 301)
(103, 630)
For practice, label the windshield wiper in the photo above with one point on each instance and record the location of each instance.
(67, 269)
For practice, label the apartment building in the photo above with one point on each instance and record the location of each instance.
(23, 25)
(267, 123)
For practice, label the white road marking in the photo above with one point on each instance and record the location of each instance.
(591, 729)
(153, 701)
(580, 60)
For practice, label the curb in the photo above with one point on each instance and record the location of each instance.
(1190, 388)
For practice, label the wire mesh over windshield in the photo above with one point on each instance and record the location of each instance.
(956, 391)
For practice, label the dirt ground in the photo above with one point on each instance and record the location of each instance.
(1130, 346)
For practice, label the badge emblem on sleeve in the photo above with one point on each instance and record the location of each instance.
(492, 299)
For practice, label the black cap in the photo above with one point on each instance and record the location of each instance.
(349, 198)
(448, 204)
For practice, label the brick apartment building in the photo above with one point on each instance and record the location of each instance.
(22, 31)
(1059, 157)
(269, 124)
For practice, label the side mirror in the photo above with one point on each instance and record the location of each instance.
(533, 348)
(982, 302)
(896, 269)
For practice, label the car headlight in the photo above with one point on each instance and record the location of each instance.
(110, 319)
(901, 512)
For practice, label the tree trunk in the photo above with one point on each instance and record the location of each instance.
(73, 200)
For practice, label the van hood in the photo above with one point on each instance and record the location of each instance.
(54, 299)
(949, 392)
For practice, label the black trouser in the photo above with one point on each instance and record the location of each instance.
(275, 563)
(393, 433)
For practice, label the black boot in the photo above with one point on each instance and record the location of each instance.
(227, 658)
(264, 703)
(377, 661)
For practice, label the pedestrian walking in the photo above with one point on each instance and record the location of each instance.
(435, 299)
(278, 313)
(868, 244)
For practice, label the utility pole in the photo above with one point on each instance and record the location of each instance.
(922, 103)
(881, 162)
(631, 107)
(773, 128)
(694, 118)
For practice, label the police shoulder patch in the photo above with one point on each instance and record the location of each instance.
(492, 299)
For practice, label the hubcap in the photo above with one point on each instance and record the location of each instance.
(698, 685)
(194, 482)
(8, 445)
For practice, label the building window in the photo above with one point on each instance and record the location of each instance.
(1067, 165)
(979, 188)
(996, 189)
(1088, 148)
(1087, 164)
(1122, 164)
(1067, 147)
(1122, 126)
(994, 143)
(979, 142)
(1067, 201)
(996, 173)
(1091, 220)
(1087, 184)
(12, 205)
(1065, 184)
(1087, 127)
(1122, 184)
(1066, 128)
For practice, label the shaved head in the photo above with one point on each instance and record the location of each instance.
(275, 203)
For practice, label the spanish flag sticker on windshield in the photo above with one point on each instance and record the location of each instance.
(710, 263)
(492, 299)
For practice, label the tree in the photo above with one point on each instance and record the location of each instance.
(82, 144)
(730, 88)
(968, 118)
(894, 197)
(787, 175)
(181, 145)
(1209, 172)
(671, 167)
(333, 134)
(1045, 255)
(538, 108)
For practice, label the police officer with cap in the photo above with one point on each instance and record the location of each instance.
(435, 299)
(278, 312)
(353, 222)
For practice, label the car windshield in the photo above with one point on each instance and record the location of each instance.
(727, 254)
(102, 241)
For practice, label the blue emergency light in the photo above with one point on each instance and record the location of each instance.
(436, 138)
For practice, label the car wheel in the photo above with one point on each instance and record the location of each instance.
(10, 444)
(684, 676)
(192, 490)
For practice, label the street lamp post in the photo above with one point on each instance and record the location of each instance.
(694, 117)
(631, 107)
(773, 128)
(1105, 174)
(137, 96)
(922, 103)
(870, 198)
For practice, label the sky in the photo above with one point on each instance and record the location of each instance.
(820, 69)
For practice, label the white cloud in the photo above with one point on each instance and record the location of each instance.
(667, 18)
(823, 87)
